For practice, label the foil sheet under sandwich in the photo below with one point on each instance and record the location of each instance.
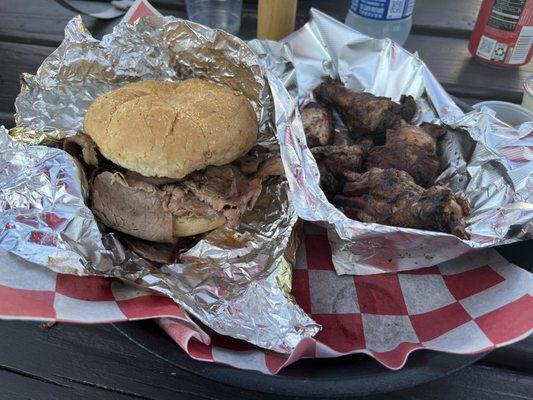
(235, 287)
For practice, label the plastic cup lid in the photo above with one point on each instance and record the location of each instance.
(528, 84)
(511, 113)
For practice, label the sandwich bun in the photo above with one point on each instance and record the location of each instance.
(165, 129)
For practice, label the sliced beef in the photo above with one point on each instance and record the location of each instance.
(249, 163)
(133, 207)
(182, 203)
(161, 253)
(225, 189)
(83, 148)
(211, 197)
(271, 167)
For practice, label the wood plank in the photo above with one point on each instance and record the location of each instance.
(17, 58)
(75, 361)
(19, 386)
(40, 22)
(452, 18)
(474, 382)
(456, 15)
(337, 9)
(96, 360)
(6, 119)
(461, 75)
(516, 357)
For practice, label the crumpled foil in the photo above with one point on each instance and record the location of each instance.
(487, 161)
(236, 287)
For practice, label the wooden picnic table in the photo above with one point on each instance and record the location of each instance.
(86, 362)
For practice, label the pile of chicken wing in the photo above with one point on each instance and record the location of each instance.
(384, 170)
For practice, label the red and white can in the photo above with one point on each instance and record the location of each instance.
(503, 34)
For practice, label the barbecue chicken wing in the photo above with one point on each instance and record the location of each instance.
(363, 113)
(411, 149)
(391, 197)
(334, 161)
(318, 125)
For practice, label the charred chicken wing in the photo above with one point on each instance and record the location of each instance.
(411, 149)
(363, 113)
(318, 125)
(334, 161)
(391, 197)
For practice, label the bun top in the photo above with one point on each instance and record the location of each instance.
(167, 129)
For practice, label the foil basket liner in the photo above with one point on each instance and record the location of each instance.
(487, 161)
(233, 281)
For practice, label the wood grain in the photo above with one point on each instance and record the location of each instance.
(17, 58)
(455, 18)
(6, 119)
(461, 75)
(96, 360)
(41, 23)
(275, 18)
(87, 362)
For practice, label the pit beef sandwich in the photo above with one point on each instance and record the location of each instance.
(165, 161)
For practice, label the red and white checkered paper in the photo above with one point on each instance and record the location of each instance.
(468, 305)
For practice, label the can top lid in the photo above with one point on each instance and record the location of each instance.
(528, 84)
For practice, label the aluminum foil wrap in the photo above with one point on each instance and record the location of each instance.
(233, 286)
(487, 161)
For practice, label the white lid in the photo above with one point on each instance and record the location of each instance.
(511, 113)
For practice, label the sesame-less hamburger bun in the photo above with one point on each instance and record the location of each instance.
(165, 129)
(174, 144)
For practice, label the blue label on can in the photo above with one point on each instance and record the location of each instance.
(383, 9)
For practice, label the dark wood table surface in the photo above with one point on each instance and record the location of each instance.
(87, 362)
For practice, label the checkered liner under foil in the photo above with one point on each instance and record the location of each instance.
(467, 305)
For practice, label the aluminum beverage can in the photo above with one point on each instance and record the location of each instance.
(503, 34)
